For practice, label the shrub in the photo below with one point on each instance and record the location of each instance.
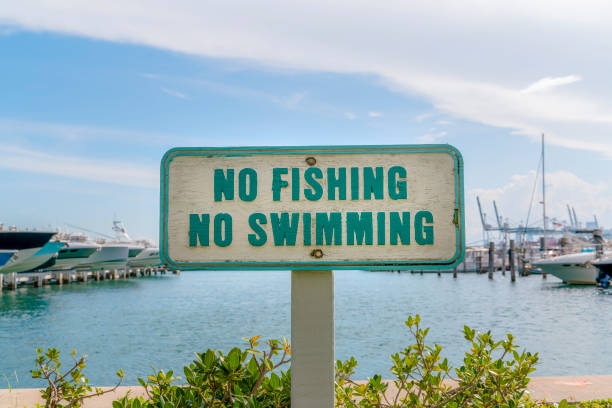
(493, 374)
(67, 390)
(240, 378)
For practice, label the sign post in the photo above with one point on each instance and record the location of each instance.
(312, 339)
(312, 210)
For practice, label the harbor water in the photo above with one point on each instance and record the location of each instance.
(160, 321)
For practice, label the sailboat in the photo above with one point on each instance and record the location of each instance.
(576, 268)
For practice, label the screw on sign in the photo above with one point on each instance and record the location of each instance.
(312, 210)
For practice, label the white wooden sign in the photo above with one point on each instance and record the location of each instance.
(329, 207)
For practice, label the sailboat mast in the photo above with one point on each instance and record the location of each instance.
(544, 194)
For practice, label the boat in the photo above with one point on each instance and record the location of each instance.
(72, 255)
(31, 259)
(140, 253)
(23, 251)
(147, 258)
(108, 257)
(577, 268)
(115, 252)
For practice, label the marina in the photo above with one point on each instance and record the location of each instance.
(326, 203)
(161, 320)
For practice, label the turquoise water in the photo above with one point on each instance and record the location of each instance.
(161, 320)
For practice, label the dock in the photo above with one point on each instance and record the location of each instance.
(12, 281)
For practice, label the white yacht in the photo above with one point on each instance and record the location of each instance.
(32, 258)
(23, 251)
(73, 255)
(107, 257)
(574, 268)
(147, 258)
(141, 254)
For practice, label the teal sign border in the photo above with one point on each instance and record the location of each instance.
(455, 260)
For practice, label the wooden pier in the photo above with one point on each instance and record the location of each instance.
(13, 280)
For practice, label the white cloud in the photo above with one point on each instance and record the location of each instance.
(294, 100)
(431, 137)
(548, 83)
(350, 115)
(424, 116)
(11, 129)
(174, 93)
(375, 114)
(469, 59)
(18, 158)
(562, 188)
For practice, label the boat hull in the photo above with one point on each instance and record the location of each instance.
(107, 258)
(32, 258)
(149, 257)
(72, 256)
(575, 274)
(19, 240)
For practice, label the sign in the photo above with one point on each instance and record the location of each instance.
(305, 208)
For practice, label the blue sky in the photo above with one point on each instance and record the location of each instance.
(86, 115)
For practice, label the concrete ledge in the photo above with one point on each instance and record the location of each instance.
(553, 389)
(29, 397)
(572, 388)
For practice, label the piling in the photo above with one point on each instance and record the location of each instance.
(1, 283)
(504, 249)
(39, 280)
(512, 266)
(455, 272)
(491, 259)
(12, 281)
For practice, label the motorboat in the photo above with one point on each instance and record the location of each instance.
(73, 254)
(576, 268)
(108, 257)
(31, 259)
(148, 257)
(23, 251)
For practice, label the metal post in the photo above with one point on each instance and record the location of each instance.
(504, 250)
(312, 338)
(491, 259)
(512, 266)
(455, 272)
(544, 195)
